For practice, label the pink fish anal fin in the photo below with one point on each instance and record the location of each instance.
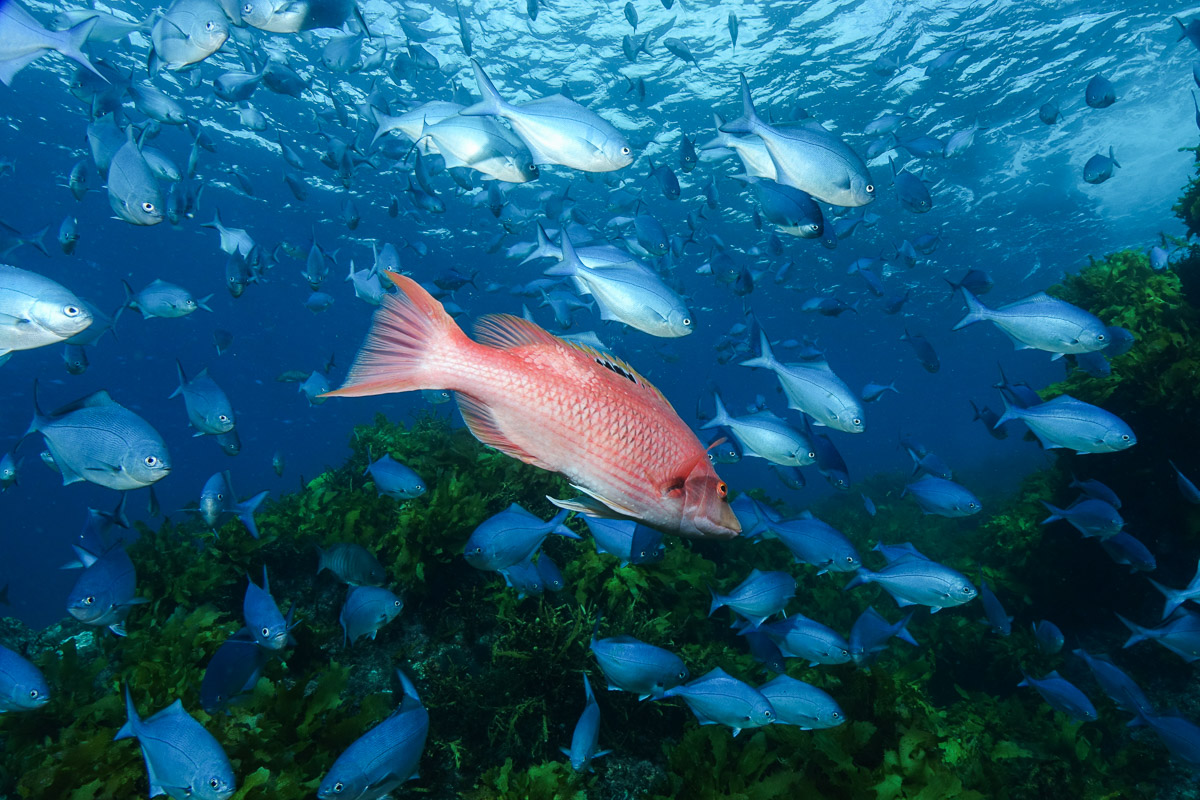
(483, 425)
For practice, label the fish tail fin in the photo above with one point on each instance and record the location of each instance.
(1140, 634)
(1182, 29)
(861, 577)
(717, 601)
(491, 104)
(1010, 412)
(382, 125)
(546, 249)
(557, 526)
(39, 419)
(76, 38)
(38, 239)
(720, 416)
(749, 121)
(1174, 597)
(245, 512)
(1113, 158)
(1056, 514)
(976, 311)
(408, 329)
(765, 358)
(129, 729)
(902, 629)
(182, 380)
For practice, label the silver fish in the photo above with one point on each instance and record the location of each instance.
(189, 32)
(98, 440)
(556, 129)
(133, 192)
(23, 40)
(208, 408)
(36, 311)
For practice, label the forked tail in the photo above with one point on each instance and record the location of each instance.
(406, 347)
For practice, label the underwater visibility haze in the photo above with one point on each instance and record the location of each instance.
(564, 399)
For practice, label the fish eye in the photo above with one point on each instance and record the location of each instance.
(722, 491)
(1125, 437)
(214, 783)
(71, 311)
(856, 421)
(34, 694)
(870, 188)
(967, 590)
(970, 505)
(210, 26)
(1100, 337)
(396, 603)
(148, 207)
(338, 787)
(687, 322)
(87, 601)
(151, 461)
(419, 488)
(248, 8)
(849, 559)
(812, 455)
(836, 715)
(223, 417)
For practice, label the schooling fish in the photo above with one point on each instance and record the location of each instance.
(585, 740)
(22, 686)
(510, 537)
(558, 406)
(182, 758)
(366, 610)
(103, 595)
(1062, 695)
(269, 627)
(1041, 322)
(351, 563)
(394, 479)
(23, 40)
(718, 698)
(36, 311)
(1073, 424)
(208, 408)
(801, 704)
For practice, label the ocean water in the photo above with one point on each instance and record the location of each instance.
(1013, 204)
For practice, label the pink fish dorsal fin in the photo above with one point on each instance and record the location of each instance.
(506, 331)
(483, 425)
(620, 367)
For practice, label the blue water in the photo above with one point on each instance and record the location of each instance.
(1013, 204)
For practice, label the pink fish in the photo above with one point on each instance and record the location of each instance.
(556, 405)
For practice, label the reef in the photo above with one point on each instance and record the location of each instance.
(501, 676)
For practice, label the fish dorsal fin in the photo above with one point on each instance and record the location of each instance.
(506, 331)
(483, 425)
(618, 366)
(93, 400)
(819, 365)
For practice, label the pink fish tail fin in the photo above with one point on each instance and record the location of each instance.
(409, 337)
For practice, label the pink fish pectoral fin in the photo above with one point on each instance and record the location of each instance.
(483, 426)
(616, 508)
(588, 506)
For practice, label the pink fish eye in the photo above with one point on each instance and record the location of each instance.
(722, 490)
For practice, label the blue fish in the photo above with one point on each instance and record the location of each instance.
(801, 637)
(551, 575)
(366, 610)
(873, 391)
(22, 686)
(1119, 687)
(918, 581)
(511, 537)
(1186, 487)
(1096, 489)
(756, 518)
(801, 704)
(911, 191)
(765, 651)
(718, 698)
(942, 497)
(384, 757)
(394, 479)
(868, 505)
(761, 595)
(1092, 518)
(1040, 322)
(1126, 550)
(524, 578)
(103, 595)
(1180, 736)
(925, 461)
(923, 350)
(1021, 395)
(1049, 638)
(629, 541)
(1100, 92)
(1062, 695)
(586, 738)
(1073, 424)
(1180, 634)
(270, 629)
(631, 665)
(997, 618)
(232, 671)
(217, 501)
(1120, 341)
(814, 542)
(182, 758)
(989, 419)
(871, 633)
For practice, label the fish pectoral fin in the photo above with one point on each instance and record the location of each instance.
(483, 426)
(10, 320)
(617, 507)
